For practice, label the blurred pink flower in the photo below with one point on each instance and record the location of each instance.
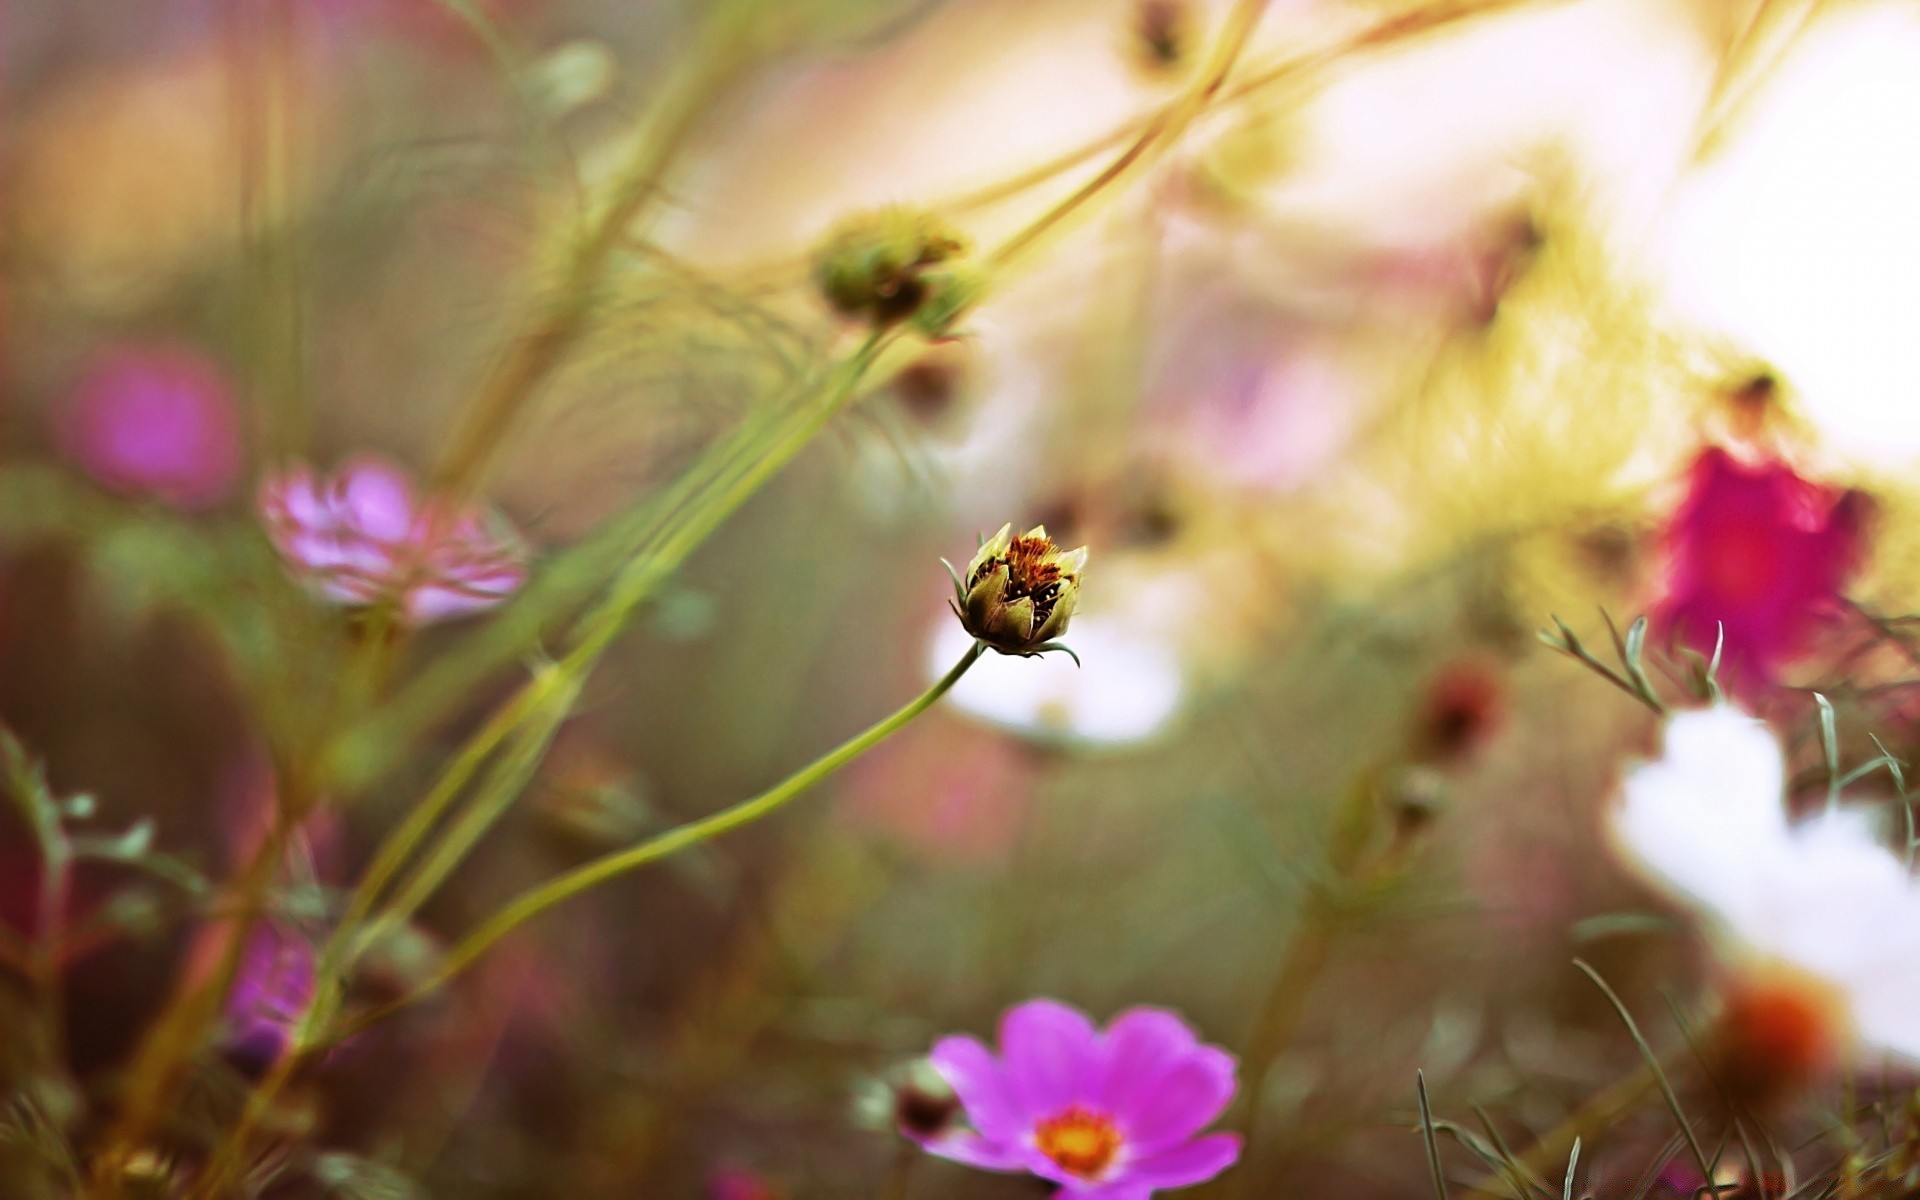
(1761, 553)
(950, 791)
(363, 538)
(157, 420)
(738, 1183)
(273, 986)
(1106, 1115)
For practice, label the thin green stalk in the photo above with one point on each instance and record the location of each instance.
(533, 355)
(1160, 129)
(1653, 1064)
(308, 1039)
(537, 901)
(729, 489)
(510, 774)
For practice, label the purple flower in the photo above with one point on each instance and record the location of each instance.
(1107, 1115)
(156, 420)
(1761, 553)
(273, 986)
(363, 538)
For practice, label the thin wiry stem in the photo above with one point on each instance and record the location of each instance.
(539, 900)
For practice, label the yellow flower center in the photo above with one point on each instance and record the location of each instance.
(1083, 1143)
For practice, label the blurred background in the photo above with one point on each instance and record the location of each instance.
(1440, 319)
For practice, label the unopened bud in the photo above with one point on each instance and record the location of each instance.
(1019, 591)
(924, 1103)
(893, 265)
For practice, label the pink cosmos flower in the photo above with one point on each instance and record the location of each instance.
(362, 537)
(156, 420)
(1107, 1115)
(1761, 553)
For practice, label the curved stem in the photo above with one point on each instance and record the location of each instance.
(533, 903)
(1160, 129)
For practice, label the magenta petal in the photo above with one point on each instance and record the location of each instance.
(964, 1146)
(379, 500)
(1141, 1046)
(971, 1070)
(1050, 1053)
(1183, 1102)
(1188, 1163)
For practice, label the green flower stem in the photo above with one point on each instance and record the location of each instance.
(1160, 130)
(558, 891)
(532, 356)
(548, 692)
(531, 904)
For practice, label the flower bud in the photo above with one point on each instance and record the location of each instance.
(1162, 33)
(888, 266)
(911, 1098)
(1019, 591)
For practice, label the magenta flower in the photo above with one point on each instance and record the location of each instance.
(1106, 1115)
(274, 984)
(156, 420)
(1761, 553)
(363, 538)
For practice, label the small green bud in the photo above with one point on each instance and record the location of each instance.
(1019, 591)
(888, 266)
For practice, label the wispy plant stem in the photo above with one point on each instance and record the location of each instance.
(537, 901)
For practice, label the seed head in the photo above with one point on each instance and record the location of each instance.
(1019, 591)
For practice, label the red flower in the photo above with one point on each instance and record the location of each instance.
(1760, 553)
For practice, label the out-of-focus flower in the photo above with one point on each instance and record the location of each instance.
(1107, 1115)
(157, 420)
(738, 1183)
(1817, 922)
(1131, 686)
(273, 987)
(363, 538)
(1804, 197)
(1463, 705)
(1760, 553)
(950, 792)
(1019, 591)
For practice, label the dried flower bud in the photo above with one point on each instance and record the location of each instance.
(1462, 709)
(888, 266)
(911, 1098)
(1019, 591)
(924, 1103)
(1163, 33)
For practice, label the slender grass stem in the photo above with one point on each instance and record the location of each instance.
(308, 1039)
(1160, 129)
(539, 900)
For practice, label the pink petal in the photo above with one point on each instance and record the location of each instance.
(1050, 1053)
(1186, 1164)
(378, 499)
(1183, 1102)
(972, 1072)
(1141, 1046)
(973, 1150)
